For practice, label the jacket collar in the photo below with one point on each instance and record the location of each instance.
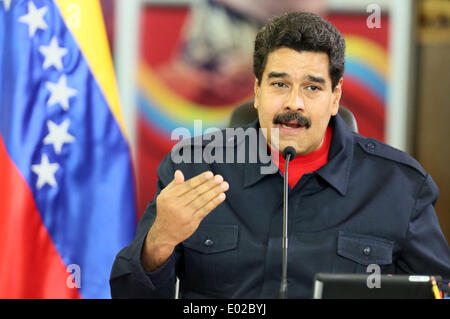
(336, 172)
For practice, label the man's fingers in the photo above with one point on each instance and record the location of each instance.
(203, 199)
(194, 193)
(180, 189)
(198, 191)
(209, 206)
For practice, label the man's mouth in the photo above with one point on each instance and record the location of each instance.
(291, 120)
(292, 124)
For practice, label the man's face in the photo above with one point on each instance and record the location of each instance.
(295, 96)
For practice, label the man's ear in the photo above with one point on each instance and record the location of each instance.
(256, 89)
(336, 97)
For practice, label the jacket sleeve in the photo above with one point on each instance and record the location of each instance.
(128, 278)
(426, 250)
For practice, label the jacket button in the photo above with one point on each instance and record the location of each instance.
(370, 146)
(367, 250)
(208, 243)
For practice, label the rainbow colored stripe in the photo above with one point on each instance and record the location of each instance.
(165, 110)
(367, 63)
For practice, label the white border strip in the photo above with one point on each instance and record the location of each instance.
(125, 57)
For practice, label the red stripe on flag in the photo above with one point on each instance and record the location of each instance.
(30, 266)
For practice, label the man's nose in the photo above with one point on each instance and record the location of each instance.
(295, 101)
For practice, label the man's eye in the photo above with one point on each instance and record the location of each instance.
(279, 84)
(313, 88)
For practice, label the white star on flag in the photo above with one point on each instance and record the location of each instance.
(60, 92)
(58, 135)
(6, 4)
(45, 171)
(34, 18)
(53, 54)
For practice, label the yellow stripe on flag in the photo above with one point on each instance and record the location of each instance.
(84, 19)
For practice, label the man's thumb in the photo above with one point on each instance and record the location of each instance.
(178, 177)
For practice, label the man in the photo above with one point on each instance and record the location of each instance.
(353, 201)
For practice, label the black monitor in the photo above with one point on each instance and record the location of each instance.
(361, 286)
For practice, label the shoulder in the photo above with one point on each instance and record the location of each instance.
(373, 147)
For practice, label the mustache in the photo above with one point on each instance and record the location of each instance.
(286, 117)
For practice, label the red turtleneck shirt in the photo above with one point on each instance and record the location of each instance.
(306, 163)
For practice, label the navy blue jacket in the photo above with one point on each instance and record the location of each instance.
(370, 204)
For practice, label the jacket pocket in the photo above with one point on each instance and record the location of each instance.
(365, 249)
(210, 258)
(210, 239)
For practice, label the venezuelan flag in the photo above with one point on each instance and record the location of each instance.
(67, 199)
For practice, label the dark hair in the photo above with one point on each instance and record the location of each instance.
(300, 31)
